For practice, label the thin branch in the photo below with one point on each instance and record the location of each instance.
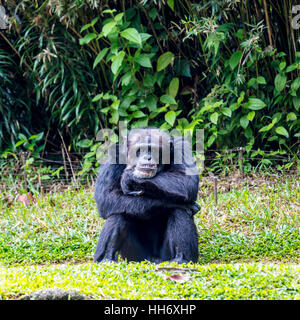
(268, 23)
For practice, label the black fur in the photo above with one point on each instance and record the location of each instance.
(155, 226)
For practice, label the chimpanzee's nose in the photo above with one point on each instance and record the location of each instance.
(147, 157)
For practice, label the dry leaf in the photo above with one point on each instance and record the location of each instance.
(179, 278)
(26, 199)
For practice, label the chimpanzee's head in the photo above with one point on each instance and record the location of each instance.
(146, 149)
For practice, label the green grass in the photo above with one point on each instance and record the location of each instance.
(144, 281)
(250, 227)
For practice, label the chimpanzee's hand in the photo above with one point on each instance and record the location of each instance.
(129, 185)
(193, 208)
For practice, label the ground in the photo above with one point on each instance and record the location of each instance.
(248, 244)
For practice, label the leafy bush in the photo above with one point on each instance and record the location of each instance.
(72, 67)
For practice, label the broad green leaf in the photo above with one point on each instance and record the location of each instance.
(117, 61)
(292, 67)
(85, 27)
(159, 78)
(170, 117)
(227, 112)
(145, 36)
(251, 82)
(153, 13)
(240, 34)
(97, 97)
(45, 177)
(149, 80)
(241, 98)
(127, 77)
(267, 128)
(144, 60)
(85, 143)
(248, 133)
(164, 60)
(20, 143)
(171, 4)
(291, 116)
(166, 98)
(87, 38)
(276, 117)
(138, 114)
(114, 116)
(182, 123)
(296, 84)
(235, 59)
(244, 122)
(282, 131)
(119, 17)
(183, 68)
(132, 35)
(251, 115)
(36, 137)
(108, 28)
(151, 103)
(280, 82)
(109, 11)
(282, 65)
(133, 107)
(99, 57)
(255, 104)
(105, 110)
(211, 140)
(115, 105)
(173, 87)
(142, 123)
(214, 118)
(281, 54)
(296, 102)
(94, 21)
(126, 103)
(107, 96)
(165, 126)
(261, 80)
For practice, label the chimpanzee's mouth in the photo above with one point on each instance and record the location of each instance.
(147, 167)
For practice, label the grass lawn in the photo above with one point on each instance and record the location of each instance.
(249, 248)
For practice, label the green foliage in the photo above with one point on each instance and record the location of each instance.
(16, 109)
(246, 104)
(210, 65)
(129, 54)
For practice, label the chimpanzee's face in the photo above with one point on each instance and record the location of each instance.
(144, 155)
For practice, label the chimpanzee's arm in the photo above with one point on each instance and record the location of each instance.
(173, 185)
(111, 200)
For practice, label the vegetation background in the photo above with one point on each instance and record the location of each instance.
(71, 67)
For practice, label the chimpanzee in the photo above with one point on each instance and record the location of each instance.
(149, 203)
